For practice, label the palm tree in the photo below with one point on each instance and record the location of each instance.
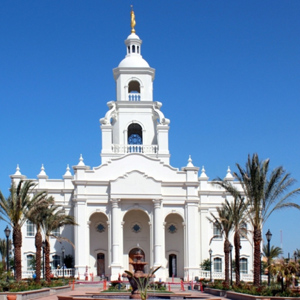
(36, 217)
(237, 209)
(285, 271)
(54, 218)
(265, 191)
(225, 223)
(274, 252)
(3, 251)
(14, 210)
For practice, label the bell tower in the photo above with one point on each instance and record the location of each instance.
(134, 122)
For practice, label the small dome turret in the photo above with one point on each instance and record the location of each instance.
(133, 44)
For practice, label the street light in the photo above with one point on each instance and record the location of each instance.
(210, 253)
(269, 236)
(295, 256)
(44, 245)
(7, 234)
(230, 248)
(63, 260)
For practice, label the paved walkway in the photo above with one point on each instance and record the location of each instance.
(86, 289)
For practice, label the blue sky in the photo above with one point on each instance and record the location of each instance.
(227, 73)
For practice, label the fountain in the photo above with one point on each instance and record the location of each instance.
(138, 280)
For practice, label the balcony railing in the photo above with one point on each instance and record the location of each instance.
(134, 97)
(146, 149)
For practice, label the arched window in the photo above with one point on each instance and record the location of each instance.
(217, 264)
(217, 230)
(135, 137)
(30, 262)
(134, 91)
(29, 228)
(244, 265)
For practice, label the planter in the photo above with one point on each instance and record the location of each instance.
(215, 292)
(11, 297)
(26, 294)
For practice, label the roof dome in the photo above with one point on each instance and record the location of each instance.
(133, 61)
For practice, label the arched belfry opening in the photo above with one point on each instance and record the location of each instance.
(134, 90)
(135, 134)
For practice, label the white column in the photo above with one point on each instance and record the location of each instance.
(158, 239)
(81, 240)
(158, 230)
(88, 246)
(115, 239)
(192, 238)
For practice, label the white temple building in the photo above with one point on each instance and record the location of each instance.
(135, 198)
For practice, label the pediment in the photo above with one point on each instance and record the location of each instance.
(135, 185)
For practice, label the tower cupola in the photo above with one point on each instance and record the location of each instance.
(134, 122)
(134, 77)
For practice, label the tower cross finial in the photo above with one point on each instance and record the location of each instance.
(133, 23)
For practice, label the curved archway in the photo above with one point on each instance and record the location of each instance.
(99, 243)
(136, 235)
(174, 245)
(134, 87)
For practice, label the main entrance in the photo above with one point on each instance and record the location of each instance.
(100, 264)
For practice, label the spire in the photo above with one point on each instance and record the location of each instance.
(133, 23)
(203, 175)
(18, 171)
(229, 176)
(42, 173)
(190, 164)
(68, 173)
(81, 163)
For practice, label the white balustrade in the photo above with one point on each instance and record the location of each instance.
(221, 276)
(134, 97)
(146, 149)
(56, 273)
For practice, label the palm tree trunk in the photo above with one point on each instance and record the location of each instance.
(257, 244)
(237, 247)
(47, 260)
(226, 251)
(38, 246)
(17, 240)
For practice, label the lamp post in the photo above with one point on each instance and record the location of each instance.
(210, 253)
(230, 248)
(7, 234)
(44, 245)
(295, 256)
(63, 260)
(269, 236)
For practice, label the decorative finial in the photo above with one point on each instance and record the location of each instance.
(203, 175)
(190, 164)
(68, 173)
(42, 170)
(81, 163)
(229, 175)
(133, 23)
(18, 171)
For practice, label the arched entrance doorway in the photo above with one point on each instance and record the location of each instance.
(98, 260)
(100, 264)
(174, 245)
(172, 265)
